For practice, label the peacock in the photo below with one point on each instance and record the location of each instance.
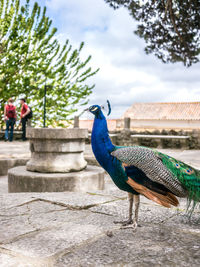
(141, 170)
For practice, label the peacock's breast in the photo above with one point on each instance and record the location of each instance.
(102, 148)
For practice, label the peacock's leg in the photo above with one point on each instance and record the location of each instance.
(137, 204)
(130, 220)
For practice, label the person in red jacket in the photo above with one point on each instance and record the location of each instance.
(25, 110)
(10, 117)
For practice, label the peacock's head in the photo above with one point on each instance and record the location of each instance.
(95, 109)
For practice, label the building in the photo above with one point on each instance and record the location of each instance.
(178, 115)
(155, 116)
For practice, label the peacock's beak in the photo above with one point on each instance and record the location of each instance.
(83, 112)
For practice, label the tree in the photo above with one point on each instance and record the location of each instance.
(31, 57)
(171, 28)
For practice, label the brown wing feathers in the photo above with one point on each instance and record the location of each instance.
(164, 200)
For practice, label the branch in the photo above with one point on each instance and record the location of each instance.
(166, 6)
(173, 20)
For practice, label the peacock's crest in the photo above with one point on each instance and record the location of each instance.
(106, 108)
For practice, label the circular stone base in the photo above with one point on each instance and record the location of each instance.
(21, 180)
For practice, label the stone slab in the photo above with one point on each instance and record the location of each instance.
(74, 200)
(21, 180)
(152, 245)
(65, 236)
(7, 260)
(8, 163)
(28, 220)
(12, 227)
(48, 133)
(77, 200)
(72, 234)
(36, 216)
(3, 184)
(15, 149)
(12, 200)
(13, 154)
(160, 136)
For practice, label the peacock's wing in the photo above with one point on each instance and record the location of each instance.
(152, 165)
(157, 192)
(187, 175)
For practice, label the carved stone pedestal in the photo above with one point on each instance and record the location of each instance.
(57, 164)
(56, 150)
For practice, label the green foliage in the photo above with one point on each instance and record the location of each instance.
(31, 56)
(171, 28)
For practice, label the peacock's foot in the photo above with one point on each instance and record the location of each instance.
(125, 223)
(133, 226)
(129, 224)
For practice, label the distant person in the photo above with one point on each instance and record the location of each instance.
(10, 117)
(25, 111)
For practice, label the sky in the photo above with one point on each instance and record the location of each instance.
(127, 75)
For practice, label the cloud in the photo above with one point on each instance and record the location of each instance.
(127, 74)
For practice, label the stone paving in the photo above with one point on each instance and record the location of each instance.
(15, 149)
(77, 229)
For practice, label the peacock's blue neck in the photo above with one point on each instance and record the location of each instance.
(102, 147)
(101, 143)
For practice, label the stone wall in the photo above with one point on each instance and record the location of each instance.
(156, 139)
(16, 136)
(125, 137)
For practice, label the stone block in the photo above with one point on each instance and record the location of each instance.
(56, 150)
(6, 164)
(21, 180)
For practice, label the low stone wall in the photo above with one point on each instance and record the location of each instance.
(156, 139)
(17, 135)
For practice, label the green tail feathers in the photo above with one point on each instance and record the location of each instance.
(187, 175)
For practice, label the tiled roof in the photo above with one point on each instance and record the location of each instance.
(164, 111)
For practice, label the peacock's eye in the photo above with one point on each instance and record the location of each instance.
(93, 109)
(177, 165)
